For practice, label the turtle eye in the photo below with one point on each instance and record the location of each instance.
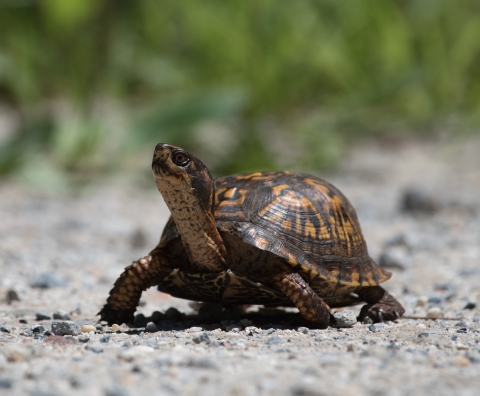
(180, 158)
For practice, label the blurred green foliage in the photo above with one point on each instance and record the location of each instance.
(243, 84)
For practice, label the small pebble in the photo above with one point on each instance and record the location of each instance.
(345, 318)
(180, 334)
(4, 329)
(436, 300)
(274, 340)
(24, 321)
(303, 330)
(117, 390)
(417, 199)
(462, 330)
(202, 337)
(95, 348)
(461, 346)
(434, 312)
(42, 316)
(6, 383)
(104, 339)
(65, 328)
(422, 301)
(99, 327)
(470, 305)
(115, 327)
(62, 315)
(195, 329)
(202, 363)
(351, 347)
(38, 329)
(151, 327)
(233, 328)
(87, 328)
(372, 328)
(462, 323)
(83, 339)
(48, 280)
(11, 296)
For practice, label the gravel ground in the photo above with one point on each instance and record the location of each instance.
(419, 207)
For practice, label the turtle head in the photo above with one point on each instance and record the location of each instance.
(178, 172)
(189, 192)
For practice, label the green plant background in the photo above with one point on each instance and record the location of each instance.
(88, 87)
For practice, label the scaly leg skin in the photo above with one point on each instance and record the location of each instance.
(127, 290)
(381, 304)
(310, 305)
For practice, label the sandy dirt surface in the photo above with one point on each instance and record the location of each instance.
(419, 206)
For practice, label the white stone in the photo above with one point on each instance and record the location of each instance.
(87, 328)
(422, 301)
(461, 346)
(345, 318)
(434, 312)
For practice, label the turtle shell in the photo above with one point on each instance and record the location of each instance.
(301, 218)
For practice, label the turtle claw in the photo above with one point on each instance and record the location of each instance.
(381, 306)
(380, 316)
(378, 312)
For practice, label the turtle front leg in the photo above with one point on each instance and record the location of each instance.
(381, 305)
(310, 305)
(127, 290)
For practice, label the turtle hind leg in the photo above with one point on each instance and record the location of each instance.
(311, 306)
(381, 305)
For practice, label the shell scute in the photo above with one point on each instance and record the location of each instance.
(302, 219)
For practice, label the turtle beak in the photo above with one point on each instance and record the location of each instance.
(162, 166)
(161, 152)
(160, 157)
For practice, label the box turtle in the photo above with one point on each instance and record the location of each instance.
(271, 238)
